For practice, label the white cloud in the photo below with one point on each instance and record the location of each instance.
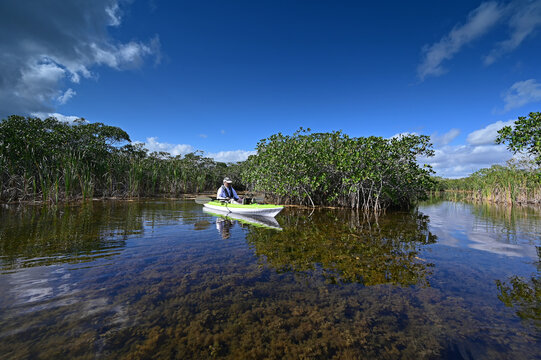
(153, 144)
(488, 134)
(68, 94)
(231, 156)
(462, 160)
(54, 41)
(204, 136)
(113, 12)
(402, 134)
(524, 21)
(522, 93)
(445, 138)
(479, 152)
(59, 117)
(479, 22)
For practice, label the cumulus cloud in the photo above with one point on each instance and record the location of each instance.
(479, 22)
(526, 18)
(153, 144)
(479, 152)
(445, 138)
(522, 93)
(59, 117)
(68, 94)
(462, 160)
(53, 42)
(488, 134)
(231, 156)
(402, 134)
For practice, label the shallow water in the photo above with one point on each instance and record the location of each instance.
(163, 279)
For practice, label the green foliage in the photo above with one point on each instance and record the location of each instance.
(370, 173)
(523, 136)
(52, 161)
(517, 182)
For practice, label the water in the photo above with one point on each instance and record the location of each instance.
(163, 279)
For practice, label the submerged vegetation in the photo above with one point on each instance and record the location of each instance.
(334, 169)
(53, 161)
(524, 295)
(347, 247)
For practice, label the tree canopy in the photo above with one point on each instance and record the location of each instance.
(523, 136)
(369, 173)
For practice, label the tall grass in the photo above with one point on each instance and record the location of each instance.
(46, 160)
(519, 182)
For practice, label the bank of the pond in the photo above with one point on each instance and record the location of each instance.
(52, 161)
(516, 183)
(486, 196)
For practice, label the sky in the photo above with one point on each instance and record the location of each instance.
(218, 76)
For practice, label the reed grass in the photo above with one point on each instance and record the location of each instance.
(50, 161)
(518, 182)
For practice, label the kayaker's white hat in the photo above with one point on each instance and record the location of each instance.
(227, 180)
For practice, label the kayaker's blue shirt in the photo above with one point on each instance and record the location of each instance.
(224, 193)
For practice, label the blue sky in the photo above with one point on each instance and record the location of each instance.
(218, 76)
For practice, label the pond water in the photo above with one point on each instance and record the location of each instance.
(163, 279)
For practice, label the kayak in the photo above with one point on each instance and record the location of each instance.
(267, 222)
(251, 209)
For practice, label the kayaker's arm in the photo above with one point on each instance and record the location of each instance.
(235, 196)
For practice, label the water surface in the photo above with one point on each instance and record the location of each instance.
(147, 279)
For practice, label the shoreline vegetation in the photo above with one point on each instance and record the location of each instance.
(53, 161)
(517, 183)
(333, 169)
(49, 161)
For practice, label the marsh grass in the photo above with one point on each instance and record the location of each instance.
(515, 183)
(50, 161)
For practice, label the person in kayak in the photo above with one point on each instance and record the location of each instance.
(226, 192)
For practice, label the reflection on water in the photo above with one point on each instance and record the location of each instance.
(158, 279)
(349, 247)
(509, 231)
(524, 295)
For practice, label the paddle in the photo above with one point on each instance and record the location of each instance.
(203, 199)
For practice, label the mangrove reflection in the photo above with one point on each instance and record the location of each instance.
(523, 295)
(34, 235)
(348, 247)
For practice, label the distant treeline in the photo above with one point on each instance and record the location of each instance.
(367, 173)
(53, 161)
(517, 182)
